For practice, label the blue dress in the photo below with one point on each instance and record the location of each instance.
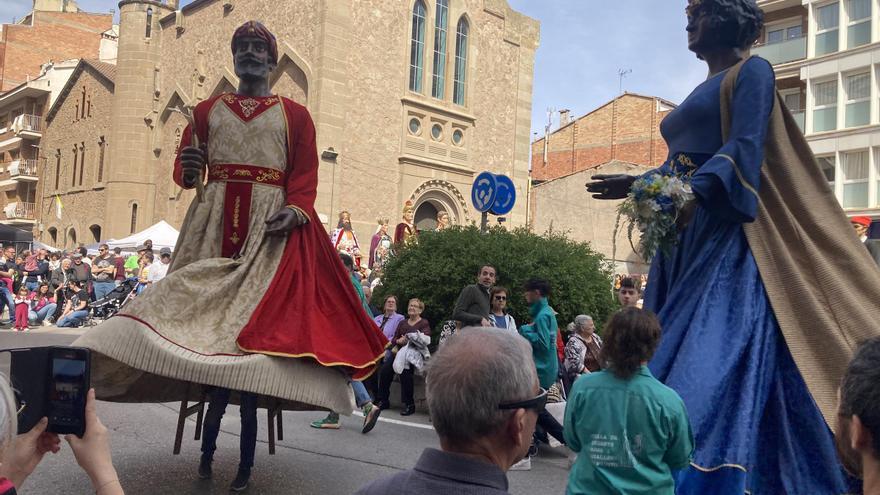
(756, 426)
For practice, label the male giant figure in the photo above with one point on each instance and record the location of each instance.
(253, 283)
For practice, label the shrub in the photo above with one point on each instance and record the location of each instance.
(440, 264)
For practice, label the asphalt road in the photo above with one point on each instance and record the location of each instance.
(307, 461)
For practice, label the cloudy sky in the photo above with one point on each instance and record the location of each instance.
(584, 43)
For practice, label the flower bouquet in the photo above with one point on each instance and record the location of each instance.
(653, 206)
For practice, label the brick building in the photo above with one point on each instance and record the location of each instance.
(626, 129)
(411, 100)
(54, 30)
(33, 71)
(76, 151)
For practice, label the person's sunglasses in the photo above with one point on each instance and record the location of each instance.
(500, 298)
(536, 403)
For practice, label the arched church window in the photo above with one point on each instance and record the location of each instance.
(417, 47)
(134, 217)
(149, 22)
(441, 24)
(461, 53)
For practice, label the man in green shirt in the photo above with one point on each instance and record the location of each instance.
(541, 334)
(630, 431)
(131, 263)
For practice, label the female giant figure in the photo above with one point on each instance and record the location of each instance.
(759, 301)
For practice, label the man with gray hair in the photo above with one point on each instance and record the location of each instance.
(484, 398)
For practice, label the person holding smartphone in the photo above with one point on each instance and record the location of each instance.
(20, 455)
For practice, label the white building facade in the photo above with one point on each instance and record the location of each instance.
(827, 60)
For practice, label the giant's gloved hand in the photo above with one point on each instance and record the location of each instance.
(283, 221)
(192, 161)
(614, 186)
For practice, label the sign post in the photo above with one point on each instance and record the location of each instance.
(494, 194)
(483, 194)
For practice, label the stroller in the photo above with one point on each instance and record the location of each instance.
(110, 304)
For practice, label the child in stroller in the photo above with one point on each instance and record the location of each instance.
(110, 304)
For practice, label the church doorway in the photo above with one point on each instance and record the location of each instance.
(426, 216)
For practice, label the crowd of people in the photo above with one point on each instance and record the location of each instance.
(486, 395)
(38, 287)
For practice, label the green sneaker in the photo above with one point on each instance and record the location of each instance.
(371, 415)
(331, 422)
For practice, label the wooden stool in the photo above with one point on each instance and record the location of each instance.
(273, 414)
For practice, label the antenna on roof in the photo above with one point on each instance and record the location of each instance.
(621, 73)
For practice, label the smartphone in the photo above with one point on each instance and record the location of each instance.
(67, 387)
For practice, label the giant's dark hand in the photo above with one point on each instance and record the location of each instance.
(285, 220)
(192, 161)
(614, 186)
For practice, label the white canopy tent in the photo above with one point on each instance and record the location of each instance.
(162, 234)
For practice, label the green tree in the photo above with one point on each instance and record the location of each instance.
(440, 264)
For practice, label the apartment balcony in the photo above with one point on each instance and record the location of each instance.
(18, 171)
(28, 126)
(20, 212)
(784, 52)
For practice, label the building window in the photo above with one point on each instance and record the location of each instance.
(96, 233)
(417, 47)
(827, 28)
(855, 179)
(457, 137)
(778, 34)
(57, 168)
(441, 23)
(149, 22)
(75, 158)
(437, 132)
(82, 107)
(461, 53)
(53, 235)
(859, 31)
(134, 218)
(89, 106)
(71, 238)
(415, 126)
(82, 161)
(827, 165)
(825, 103)
(858, 99)
(102, 146)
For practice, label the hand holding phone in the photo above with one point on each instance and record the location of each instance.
(29, 449)
(92, 451)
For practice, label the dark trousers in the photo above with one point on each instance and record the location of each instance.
(386, 376)
(550, 425)
(372, 383)
(219, 399)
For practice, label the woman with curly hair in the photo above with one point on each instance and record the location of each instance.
(630, 431)
(760, 316)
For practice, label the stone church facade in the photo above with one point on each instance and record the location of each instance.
(411, 100)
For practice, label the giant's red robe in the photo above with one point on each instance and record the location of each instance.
(237, 304)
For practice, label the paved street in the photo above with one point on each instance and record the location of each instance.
(307, 461)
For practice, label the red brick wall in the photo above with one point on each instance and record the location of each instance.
(626, 129)
(54, 36)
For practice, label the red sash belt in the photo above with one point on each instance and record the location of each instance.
(229, 172)
(240, 180)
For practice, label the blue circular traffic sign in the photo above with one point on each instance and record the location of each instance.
(483, 191)
(505, 196)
